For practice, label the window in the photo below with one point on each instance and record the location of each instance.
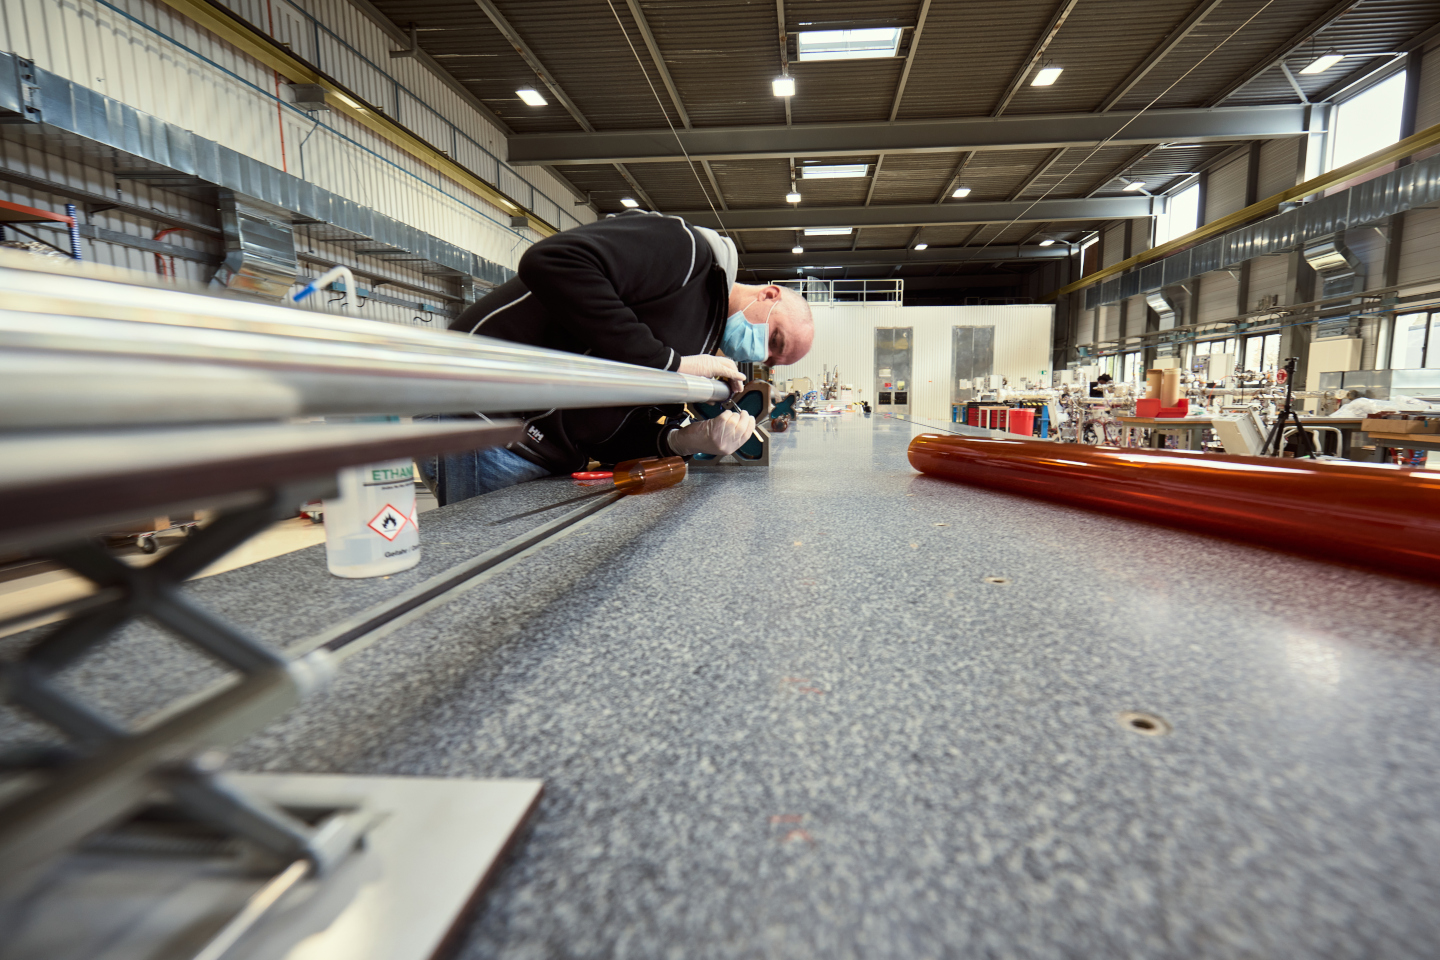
(1134, 369)
(1417, 341)
(1367, 122)
(1408, 349)
(1261, 353)
(1182, 214)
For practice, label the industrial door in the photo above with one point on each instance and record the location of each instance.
(972, 360)
(892, 369)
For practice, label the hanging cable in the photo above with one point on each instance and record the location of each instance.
(666, 113)
(1102, 144)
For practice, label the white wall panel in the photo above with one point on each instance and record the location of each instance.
(845, 337)
(1225, 189)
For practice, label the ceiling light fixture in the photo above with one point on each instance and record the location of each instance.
(922, 246)
(828, 231)
(532, 97)
(1322, 63)
(783, 86)
(961, 192)
(834, 171)
(792, 197)
(629, 203)
(1134, 185)
(1046, 76)
(863, 44)
(1047, 243)
(797, 249)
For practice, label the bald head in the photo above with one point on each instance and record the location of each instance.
(792, 326)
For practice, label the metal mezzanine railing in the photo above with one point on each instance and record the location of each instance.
(848, 291)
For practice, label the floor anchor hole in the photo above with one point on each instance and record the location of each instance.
(1144, 723)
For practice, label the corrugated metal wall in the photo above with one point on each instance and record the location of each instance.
(1113, 245)
(1225, 189)
(1420, 248)
(1109, 322)
(1217, 296)
(1267, 278)
(133, 50)
(1427, 105)
(1136, 312)
(1279, 167)
(845, 338)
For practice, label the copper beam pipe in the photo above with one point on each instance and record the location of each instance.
(1369, 515)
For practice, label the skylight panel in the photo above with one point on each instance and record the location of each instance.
(828, 231)
(864, 44)
(834, 171)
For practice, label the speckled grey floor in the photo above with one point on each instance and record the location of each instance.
(782, 713)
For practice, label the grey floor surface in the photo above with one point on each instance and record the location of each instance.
(783, 713)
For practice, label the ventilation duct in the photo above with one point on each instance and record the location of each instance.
(1168, 313)
(259, 250)
(1372, 202)
(1340, 272)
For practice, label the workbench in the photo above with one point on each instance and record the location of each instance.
(1186, 427)
(1189, 428)
(837, 709)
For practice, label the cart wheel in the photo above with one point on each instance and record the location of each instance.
(147, 544)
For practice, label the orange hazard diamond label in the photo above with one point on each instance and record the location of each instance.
(388, 522)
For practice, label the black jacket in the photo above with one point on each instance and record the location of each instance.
(638, 287)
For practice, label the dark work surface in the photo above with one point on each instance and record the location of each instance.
(781, 713)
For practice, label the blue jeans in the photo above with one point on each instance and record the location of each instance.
(460, 476)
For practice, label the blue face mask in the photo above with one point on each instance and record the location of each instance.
(744, 340)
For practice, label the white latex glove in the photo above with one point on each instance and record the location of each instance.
(724, 434)
(716, 368)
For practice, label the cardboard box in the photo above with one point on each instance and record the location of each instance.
(1380, 425)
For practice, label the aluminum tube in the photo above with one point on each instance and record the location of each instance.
(305, 363)
(1368, 515)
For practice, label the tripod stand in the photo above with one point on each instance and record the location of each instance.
(1275, 439)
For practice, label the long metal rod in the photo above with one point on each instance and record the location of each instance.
(261, 902)
(309, 363)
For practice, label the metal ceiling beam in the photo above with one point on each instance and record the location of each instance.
(911, 136)
(1039, 171)
(1288, 47)
(1130, 161)
(1196, 17)
(1370, 66)
(900, 257)
(512, 37)
(910, 57)
(918, 215)
(390, 28)
(955, 177)
(658, 59)
(784, 52)
(1057, 21)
